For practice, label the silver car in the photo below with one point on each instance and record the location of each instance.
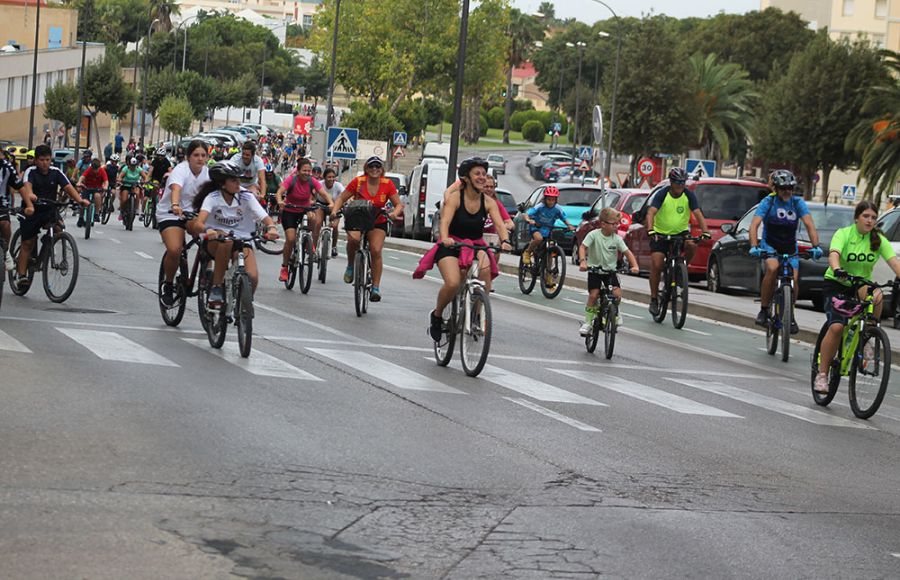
(497, 163)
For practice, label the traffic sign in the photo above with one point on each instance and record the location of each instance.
(848, 192)
(398, 152)
(597, 124)
(400, 138)
(585, 166)
(342, 142)
(697, 168)
(585, 152)
(646, 167)
(556, 128)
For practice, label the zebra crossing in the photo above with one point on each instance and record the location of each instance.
(525, 391)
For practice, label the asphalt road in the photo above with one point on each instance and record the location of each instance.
(340, 450)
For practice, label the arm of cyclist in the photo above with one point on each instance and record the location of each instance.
(632, 262)
(651, 214)
(279, 196)
(339, 202)
(493, 209)
(698, 215)
(448, 210)
(816, 250)
(261, 182)
(28, 198)
(175, 191)
(398, 206)
(75, 196)
(324, 195)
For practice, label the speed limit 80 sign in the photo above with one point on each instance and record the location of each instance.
(646, 167)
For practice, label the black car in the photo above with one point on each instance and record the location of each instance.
(731, 266)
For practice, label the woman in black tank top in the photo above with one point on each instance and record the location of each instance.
(463, 214)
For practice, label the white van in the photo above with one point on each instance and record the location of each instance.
(436, 150)
(426, 187)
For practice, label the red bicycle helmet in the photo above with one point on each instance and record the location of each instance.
(551, 191)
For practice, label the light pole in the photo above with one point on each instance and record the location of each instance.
(612, 110)
(144, 83)
(262, 75)
(457, 94)
(81, 100)
(580, 46)
(34, 77)
(184, 47)
(334, 39)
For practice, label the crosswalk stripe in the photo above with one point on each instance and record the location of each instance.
(533, 388)
(9, 343)
(393, 375)
(553, 414)
(647, 394)
(258, 363)
(772, 404)
(113, 346)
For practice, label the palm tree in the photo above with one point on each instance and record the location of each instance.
(877, 136)
(523, 30)
(726, 97)
(163, 10)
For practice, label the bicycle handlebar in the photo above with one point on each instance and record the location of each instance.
(599, 270)
(859, 282)
(671, 237)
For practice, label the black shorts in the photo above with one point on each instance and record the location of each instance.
(291, 220)
(661, 246)
(595, 281)
(164, 225)
(833, 289)
(382, 227)
(31, 225)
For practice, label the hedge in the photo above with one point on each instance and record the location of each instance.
(533, 131)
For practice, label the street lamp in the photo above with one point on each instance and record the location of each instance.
(612, 110)
(34, 77)
(144, 83)
(184, 47)
(580, 46)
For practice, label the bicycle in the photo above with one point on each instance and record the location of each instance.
(470, 318)
(237, 307)
(862, 330)
(302, 255)
(88, 213)
(151, 198)
(605, 317)
(265, 245)
(548, 261)
(107, 206)
(781, 308)
(129, 209)
(55, 254)
(184, 286)
(673, 280)
(324, 248)
(362, 261)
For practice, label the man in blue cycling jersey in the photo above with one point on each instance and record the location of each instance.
(780, 213)
(541, 219)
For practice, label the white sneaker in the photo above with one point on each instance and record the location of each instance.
(8, 262)
(618, 320)
(821, 385)
(585, 329)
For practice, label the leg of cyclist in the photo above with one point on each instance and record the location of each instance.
(221, 252)
(290, 238)
(251, 268)
(690, 249)
(590, 309)
(536, 239)
(314, 220)
(376, 247)
(173, 238)
(352, 245)
(830, 344)
(877, 298)
(335, 222)
(450, 272)
(484, 270)
(656, 264)
(766, 290)
(6, 236)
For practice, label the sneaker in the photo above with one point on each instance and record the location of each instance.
(435, 329)
(585, 329)
(23, 283)
(618, 320)
(283, 276)
(526, 258)
(216, 296)
(96, 218)
(80, 223)
(762, 318)
(168, 294)
(119, 217)
(654, 306)
(334, 252)
(348, 275)
(794, 328)
(375, 294)
(8, 262)
(821, 384)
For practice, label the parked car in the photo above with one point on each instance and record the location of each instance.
(400, 182)
(238, 136)
(248, 132)
(536, 162)
(730, 265)
(426, 187)
(218, 139)
(627, 201)
(722, 200)
(497, 163)
(889, 223)
(261, 129)
(436, 150)
(574, 199)
(503, 196)
(552, 166)
(563, 173)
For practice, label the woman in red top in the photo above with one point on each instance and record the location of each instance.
(373, 186)
(302, 190)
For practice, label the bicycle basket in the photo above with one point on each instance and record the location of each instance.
(359, 216)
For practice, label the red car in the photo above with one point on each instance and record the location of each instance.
(552, 167)
(722, 200)
(627, 201)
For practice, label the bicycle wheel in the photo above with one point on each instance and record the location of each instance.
(662, 296)
(271, 247)
(173, 314)
(60, 268)
(590, 341)
(16, 245)
(243, 315)
(217, 322)
(786, 299)
(553, 274)
(609, 340)
(88, 220)
(293, 265)
(106, 209)
(203, 295)
(2, 278)
(475, 334)
(130, 209)
(324, 252)
(527, 277)
(679, 294)
(443, 350)
(306, 263)
(870, 372)
(772, 324)
(359, 282)
(147, 217)
(834, 372)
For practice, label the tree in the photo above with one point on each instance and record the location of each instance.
(807, 113)
(314, 80)
(163, 10)
(548, 10)
(373, 122)
(726, 98)
(105, 90)
(486, 53)
(523, 31)
(175, 115)
(61, 104)
(412, 115)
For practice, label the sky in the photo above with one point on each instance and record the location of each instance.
(590, 12)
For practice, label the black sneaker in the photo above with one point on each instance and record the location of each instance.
(794, 328)
(654, 306)
(334, 253)
(763, 317)
(96, 218)
(80, 223)
(168, 294)
(436, 327)
(216, 296)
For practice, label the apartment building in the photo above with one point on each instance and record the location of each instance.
(294, 11)
(878, 20)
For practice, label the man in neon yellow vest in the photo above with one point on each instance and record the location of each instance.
(670, 214)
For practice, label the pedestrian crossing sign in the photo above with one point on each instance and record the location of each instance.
(400, 138)
(342, 142)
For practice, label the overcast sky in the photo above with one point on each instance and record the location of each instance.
(590, 12)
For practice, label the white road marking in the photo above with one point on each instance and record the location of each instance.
(114, 240)
(773, 404)
(573, 301)
(104, 325)
(533, 388)
(627, 315)
(143, 255)
(9, 343)
(323, 327)
(393, 375)
(259, 363)
(393, 257)
(701, 333)
(553, 415)
(647, 394)
(113, 346)
(895, 554)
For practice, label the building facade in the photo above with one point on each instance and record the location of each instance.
(294, 11)
(878, 20)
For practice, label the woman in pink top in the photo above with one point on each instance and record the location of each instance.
(302, 190)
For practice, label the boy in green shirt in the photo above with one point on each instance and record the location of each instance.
(600, 249)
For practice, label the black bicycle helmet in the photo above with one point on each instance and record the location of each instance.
(783, 178)
(222, 170)
(678, 174)
(469, 164)
(87, 153)
(374, 160)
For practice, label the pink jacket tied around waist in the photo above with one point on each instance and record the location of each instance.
(466, 255)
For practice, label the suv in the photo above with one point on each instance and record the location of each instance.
(722, 200)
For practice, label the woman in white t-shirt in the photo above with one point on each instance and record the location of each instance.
(334, 188)
(182, 185)
(226, 207)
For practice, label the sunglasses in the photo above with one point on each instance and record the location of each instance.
(677, 181)
(374, 166)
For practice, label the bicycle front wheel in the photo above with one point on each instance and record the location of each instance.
(88, 220)
(106, 210)
(870, 372)
(271, 247)
(679, 294)
(148, 214)
(662, 294)
(772, 324)
(834, 371)
(306, 263)
(786, 299)
(217, 323)
(130, 210)
(527, 277)
(553, 274)
(590, 341)
(243, 315)
(324, 252)
(475, 334)
(609, 341)
(293, 265)
(443, 350)
(173, 313)
(60, 268)
(360, 275)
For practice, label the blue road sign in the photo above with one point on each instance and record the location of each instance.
(342, 143)
(848, 192)
(585, 152)
(400, 138)
(700, 167)
(557, 127)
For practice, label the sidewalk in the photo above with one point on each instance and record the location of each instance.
(739, 310)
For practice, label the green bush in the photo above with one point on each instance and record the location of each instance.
(548, 117)
(522, 105)
(519, 118)
(495, 118)
(483, 125)
(412, 115)
(533, 131)
(377, 124)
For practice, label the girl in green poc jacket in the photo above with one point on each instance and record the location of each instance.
(854, 251)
